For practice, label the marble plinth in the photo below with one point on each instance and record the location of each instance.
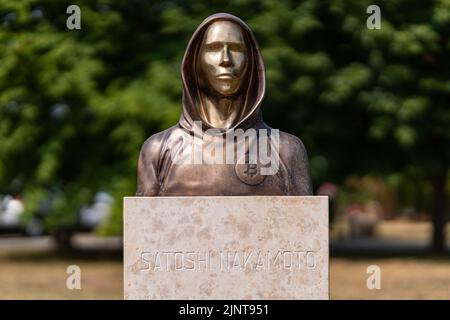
(254, 247)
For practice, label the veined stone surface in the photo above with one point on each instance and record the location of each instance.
(246, 247)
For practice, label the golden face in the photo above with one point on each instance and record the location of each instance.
(223, 58)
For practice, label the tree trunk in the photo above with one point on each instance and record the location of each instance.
(439, 207)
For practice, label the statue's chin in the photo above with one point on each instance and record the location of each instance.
(226, 91)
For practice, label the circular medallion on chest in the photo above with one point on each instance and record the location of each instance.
(249, 173)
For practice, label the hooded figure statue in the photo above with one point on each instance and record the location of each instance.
(223, 86)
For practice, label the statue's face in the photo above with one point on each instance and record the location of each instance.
(223, 58)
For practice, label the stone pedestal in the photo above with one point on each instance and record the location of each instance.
(255, 247)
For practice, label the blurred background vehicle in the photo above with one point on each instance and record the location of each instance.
(11, 214)
(89, 217)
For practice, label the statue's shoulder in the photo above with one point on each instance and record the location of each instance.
(291, 139)
(291, 146)
(292, 150)
(156, 142)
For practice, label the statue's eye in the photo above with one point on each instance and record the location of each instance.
(215, 46)
(237, 47)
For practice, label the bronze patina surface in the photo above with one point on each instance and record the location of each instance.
(223, 86)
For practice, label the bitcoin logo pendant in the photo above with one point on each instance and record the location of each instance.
(249, 173)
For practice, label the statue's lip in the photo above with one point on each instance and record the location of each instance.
(225, 76)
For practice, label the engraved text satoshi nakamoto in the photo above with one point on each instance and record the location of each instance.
(227, 260)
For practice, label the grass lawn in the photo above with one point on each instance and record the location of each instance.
(30, 277)
(401, 278)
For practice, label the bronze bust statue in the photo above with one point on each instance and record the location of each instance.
(223, 86)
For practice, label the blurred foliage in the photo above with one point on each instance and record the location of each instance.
(76, 105)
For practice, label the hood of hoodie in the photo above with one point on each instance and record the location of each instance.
(249, 113)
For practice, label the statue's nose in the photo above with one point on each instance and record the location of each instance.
(225, 59)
